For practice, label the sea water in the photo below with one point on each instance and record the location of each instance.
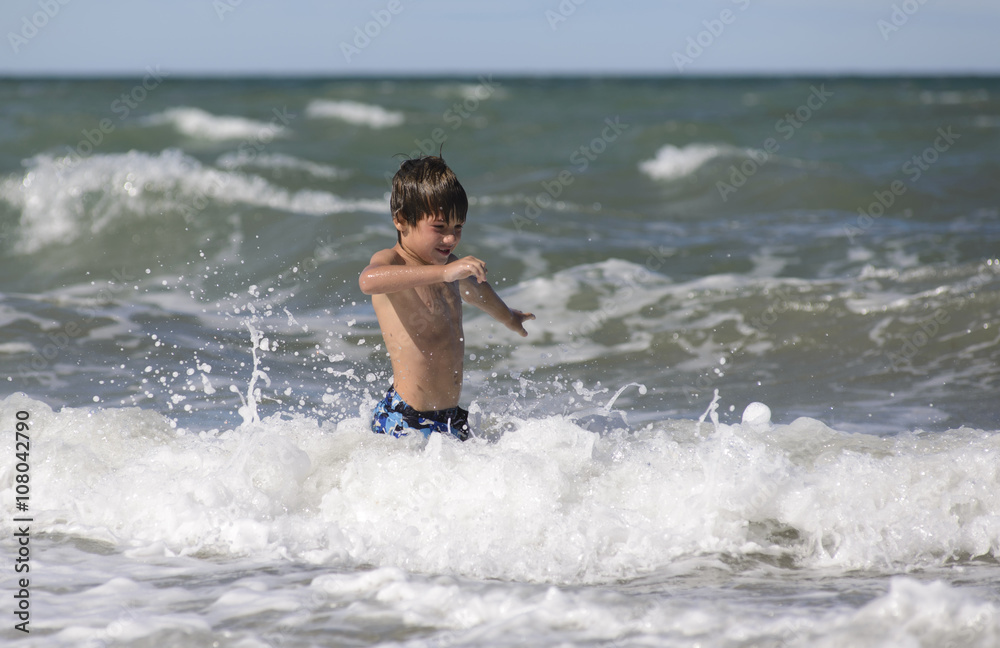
(756, 407)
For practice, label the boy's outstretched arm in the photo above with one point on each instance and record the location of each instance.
(482, 296)
(387, 273)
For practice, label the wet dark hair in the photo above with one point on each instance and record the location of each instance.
(425, 186)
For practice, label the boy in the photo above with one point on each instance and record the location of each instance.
(417, 288)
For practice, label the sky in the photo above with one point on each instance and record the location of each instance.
(537, 37)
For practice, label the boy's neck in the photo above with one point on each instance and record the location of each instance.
(409, 256)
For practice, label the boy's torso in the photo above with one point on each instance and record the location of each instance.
(422, 329)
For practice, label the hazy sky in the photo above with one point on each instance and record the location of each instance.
(513, 36)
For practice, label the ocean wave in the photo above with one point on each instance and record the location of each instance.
(582, 301)
(673, 163)
(544, 501)
(487, 88)
(986, 121)
(953, 97)
(200, 124)
(249, 159)
(354, 112)
(61, 198)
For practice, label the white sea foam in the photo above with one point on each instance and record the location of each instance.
(200, 124)
(162, 603)
(624, 290)
(546, 502)
(472, 92)
(582, 302)
(913, 613)
(16, 347)
(354, 112)
(672, 162)
(52, 193)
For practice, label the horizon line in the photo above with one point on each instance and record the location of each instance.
(596, 74)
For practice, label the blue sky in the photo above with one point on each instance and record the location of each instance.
(229, 37)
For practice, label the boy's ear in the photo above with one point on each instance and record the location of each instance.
(399, 222)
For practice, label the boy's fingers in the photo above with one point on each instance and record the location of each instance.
(477, 268)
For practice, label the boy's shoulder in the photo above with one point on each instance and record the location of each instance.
(388, 256)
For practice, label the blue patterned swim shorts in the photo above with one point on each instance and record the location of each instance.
(393, 416)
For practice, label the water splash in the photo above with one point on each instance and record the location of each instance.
(711, 412)
(248, 409)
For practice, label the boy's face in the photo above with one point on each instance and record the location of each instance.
(433, 238)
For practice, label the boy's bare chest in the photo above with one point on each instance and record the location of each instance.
(442, 299)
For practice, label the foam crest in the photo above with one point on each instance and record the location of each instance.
(581, 301)
(108, 613)
(62, 198)
(497, 614)
(472, 92)
(599, 310)
(546, 502)
(200, 124)
(865, 498)
(354, 112)
(916, 613)
(672, 162)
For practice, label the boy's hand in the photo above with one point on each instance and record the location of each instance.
(518, 320)
(468, 266)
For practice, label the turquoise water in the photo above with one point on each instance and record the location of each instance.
(825, 246)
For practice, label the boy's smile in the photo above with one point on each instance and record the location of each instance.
(432, 240)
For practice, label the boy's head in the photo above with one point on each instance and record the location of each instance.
(425, 187)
